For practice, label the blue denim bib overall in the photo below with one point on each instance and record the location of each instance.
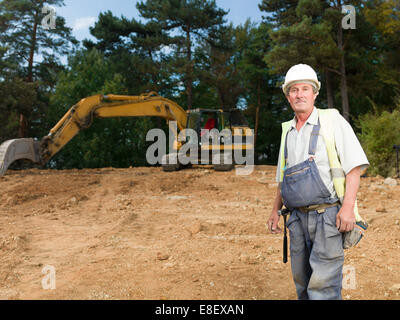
(302, 184)
(316, 250)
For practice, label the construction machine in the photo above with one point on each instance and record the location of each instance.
(81, 116)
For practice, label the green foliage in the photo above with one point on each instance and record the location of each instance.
(310, 32)
(185, 21)
(280, 12)
(134, 50)
(218, 67)
(117, 142)
(265, 103)
(383, 17)
(17, 96)
(31, 53)
(25, 37)
(379, 132)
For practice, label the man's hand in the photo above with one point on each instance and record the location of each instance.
(273, 222)
(345, 219)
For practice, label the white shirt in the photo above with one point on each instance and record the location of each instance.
(348, 147)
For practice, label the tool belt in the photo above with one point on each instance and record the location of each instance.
(320, 208)
(350, 238)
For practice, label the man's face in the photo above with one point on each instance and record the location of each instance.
(301, 97)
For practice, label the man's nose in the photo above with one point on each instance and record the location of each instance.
(299, 94)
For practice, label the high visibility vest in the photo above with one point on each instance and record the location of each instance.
(326, 118)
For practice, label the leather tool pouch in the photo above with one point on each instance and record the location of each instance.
(351, 238)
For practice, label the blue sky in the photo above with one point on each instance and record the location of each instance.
(80, 14)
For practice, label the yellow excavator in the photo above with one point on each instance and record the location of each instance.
(81, 116)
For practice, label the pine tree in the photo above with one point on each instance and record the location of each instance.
(384, 16)
(254, 43)
(218, 66)
(186, 21)
(310, 31)
(136, 51)
(26, 39)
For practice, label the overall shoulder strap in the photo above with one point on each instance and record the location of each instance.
(314, 139)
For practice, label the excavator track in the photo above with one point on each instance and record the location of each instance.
(15, 149)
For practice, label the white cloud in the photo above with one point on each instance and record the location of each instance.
(84, 23)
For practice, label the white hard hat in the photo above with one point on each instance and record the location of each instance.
(301, 73)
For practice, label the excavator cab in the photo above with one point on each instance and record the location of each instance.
(203, 121)
(208, 119)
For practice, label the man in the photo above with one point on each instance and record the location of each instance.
(319, 170)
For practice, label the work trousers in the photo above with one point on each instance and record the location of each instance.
(316, 253)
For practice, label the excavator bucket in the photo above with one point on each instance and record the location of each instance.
(15, 149)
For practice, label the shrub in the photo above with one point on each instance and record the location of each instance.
(379, 132)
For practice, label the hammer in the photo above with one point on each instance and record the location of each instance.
(284, 212)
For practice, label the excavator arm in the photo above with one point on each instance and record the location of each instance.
(81, 116)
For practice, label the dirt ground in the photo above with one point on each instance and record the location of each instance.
(141, 233)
